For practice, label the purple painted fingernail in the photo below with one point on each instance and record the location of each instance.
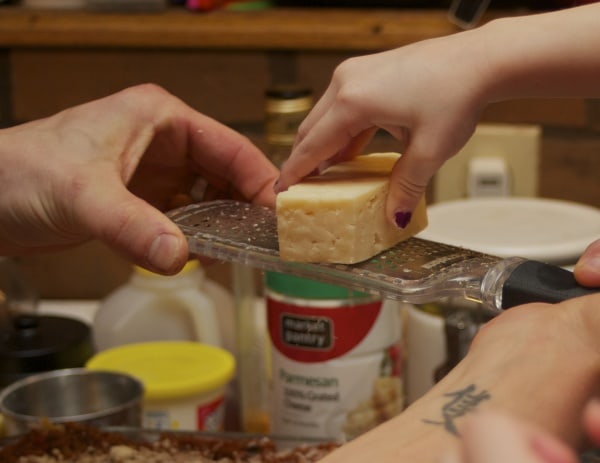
(402, 218)
(278, 188)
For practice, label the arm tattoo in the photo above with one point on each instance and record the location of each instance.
(460, 403)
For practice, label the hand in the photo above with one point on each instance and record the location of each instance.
(538, 362)
(494, 436)
(429, 95)
(106, 169)
(417, 93)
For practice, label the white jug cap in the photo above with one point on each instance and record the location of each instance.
(548, 230)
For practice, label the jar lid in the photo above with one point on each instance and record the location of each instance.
(190, 266)
(548, 230)
(287, 100)
(288, 92)
(169, 369)
(305, 288)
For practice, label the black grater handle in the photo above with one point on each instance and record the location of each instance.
(533, 281)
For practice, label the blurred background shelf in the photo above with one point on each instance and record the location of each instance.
(272, 29)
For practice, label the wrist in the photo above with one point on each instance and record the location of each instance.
(544, 55)
(539, 362)
(405, 438)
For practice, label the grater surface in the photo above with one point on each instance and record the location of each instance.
(414, 270)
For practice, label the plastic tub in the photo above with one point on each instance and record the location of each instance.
(184, 382)
(336, 358)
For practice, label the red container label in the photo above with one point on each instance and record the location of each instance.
(210, 416)
(318, 334)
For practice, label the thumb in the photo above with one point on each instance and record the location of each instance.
(409, 179)
(134, 229)
(587, 269)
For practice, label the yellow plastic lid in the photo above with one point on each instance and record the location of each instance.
(169, 369)
(188, 267)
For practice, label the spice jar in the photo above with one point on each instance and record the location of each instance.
(285, 108)
(336, 358)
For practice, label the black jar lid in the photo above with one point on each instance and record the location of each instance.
(37, 343)
(288, 92)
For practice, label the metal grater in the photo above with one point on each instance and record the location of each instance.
(415, 270)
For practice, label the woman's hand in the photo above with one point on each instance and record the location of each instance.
(429, 95)
(105, 170)
(419, 93)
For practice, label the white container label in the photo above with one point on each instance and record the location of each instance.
(186, 415)
(335, 373)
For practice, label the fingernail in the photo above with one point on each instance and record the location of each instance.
(163, 252)
(402, 218)
(277, 187)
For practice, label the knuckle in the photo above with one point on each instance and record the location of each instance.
(410, 187)
(345, 69)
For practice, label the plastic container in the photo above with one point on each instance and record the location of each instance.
(185, 382)
(253, 365)
(426, 348)
(17, 295)
(286, 106)
(38, 343)
(152, 307)
(437, 337)
(336, 359)
(31, 343)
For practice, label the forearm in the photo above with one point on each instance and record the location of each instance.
(540, 363)
(431, 426)
(554, 54)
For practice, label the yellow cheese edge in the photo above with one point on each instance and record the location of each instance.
(295, 209)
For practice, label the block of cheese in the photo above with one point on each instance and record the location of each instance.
(339, 216)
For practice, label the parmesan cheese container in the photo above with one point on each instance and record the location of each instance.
(335, 358)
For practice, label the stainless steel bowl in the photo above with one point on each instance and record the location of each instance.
(100, 398)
